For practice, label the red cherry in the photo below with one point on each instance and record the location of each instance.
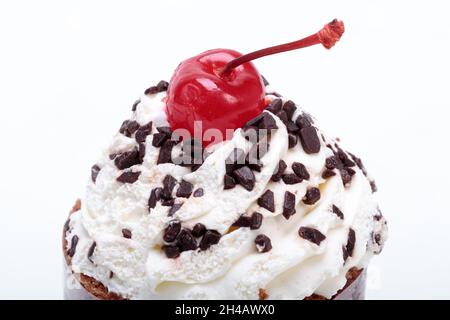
(222, 88)
(197, 93)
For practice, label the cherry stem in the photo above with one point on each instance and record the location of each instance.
(327, 36)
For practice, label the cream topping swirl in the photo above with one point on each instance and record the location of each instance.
(232, 269)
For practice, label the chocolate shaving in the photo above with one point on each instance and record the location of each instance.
(185, 189)
(155, 196)
(210, 238)
(288, 204)
(300, 170)
(312, 235)
(312, 196)
(135, 104)
(291, 178)
(347, 250)
(129, 177)
(175, 207)
(73, 246)
(172, 230)
(245, 177)
(338, 212)
(95, 170)
(126, 233)
(127, 159)
(165, 153)
(263, 243)
(228, 182)
(91, 251)
(256, 221)
(279, 171)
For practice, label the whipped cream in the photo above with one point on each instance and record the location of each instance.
(233, 268)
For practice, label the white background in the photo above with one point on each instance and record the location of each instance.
(70, 71)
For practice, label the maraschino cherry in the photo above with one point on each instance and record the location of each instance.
(223, 89)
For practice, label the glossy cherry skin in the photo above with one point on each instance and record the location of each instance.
(197, 92)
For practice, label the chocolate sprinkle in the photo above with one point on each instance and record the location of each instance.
(199, 193)
(91, 251)
(291, 178)
(289, 204)
(198, 230)
(279, 171)
(350, 246)
(172, 230)
(312, 235)
(256, 221)
(310, 140)
(172, 251)
(186, 241)
(289, 107)
(129, 177)
(300, 170)
(95, 170)
(126, 233)
(267, 201)
(311, 196)
(127, 159)
(73, 246)
(245, 177)
(210, 238)
(228, 182)
(185, 189)
(263, 243)
(175, 208)
(155, 196)
(338, 212)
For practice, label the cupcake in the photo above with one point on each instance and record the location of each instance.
(218, 187)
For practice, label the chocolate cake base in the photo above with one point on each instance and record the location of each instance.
(83, 287)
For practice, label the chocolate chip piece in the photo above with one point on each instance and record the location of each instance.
(346, 177)
(266, 83)
(267, 201)
(165, 153)
(185, 189)
(245, 177)
(66, 226)
(199, 193)
(310, 140)
(275, 106)
(175, 208)
(127, 159)
(111, 274)
(135, 104)
(304, 121)
(373, 186)
(186, 241)
(292, 127)
(159, 139)
(312, 235)
(268, 122)
(210, 238)
(350, 246)
(289, 107)
(126, 233)
(91, 251)
(172, 230)
(151, 90)
(141, 152)
(169, 183)
(327, 173)
(279, 171)
(234, 160)
(243, 221)
(73, 246)
(288, 204)
(128, 128)
(263, 243)
(168, 202)
(155, 196)
(256, 166)
(291, 178)
(95, 170)
(331, 163)
(129, 177)
(254, 122)
(350, 171)
(172, 252)
(292, 141)
(162, 86)
(112, 156)
(300, 170)
(228, 182)
(166, 130)
(198, 230)
(143, 132)
(283, 116)
(312, 196)
(256, 221)
(338, 212)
